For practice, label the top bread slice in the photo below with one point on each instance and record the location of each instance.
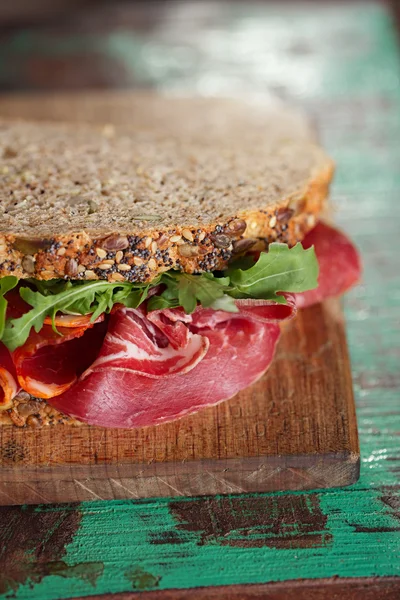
(153, 183)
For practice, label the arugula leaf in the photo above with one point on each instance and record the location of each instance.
(93, 297)
(281, 269)
(161, 302)
(190, 289)
(6, 284)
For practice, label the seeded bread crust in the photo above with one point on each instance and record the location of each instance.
(126, 203)
(28, 411)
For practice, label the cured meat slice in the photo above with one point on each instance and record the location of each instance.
(339, 264)
(110, 393)
(134, 344)
(49, 363)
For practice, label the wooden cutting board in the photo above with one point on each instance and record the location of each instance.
(294, 429)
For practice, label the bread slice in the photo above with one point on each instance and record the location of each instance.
(159, 184)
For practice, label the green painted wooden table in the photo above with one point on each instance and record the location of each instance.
(340, 62)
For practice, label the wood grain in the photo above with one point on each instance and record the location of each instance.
(294, 429)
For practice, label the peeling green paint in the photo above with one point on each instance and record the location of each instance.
(142, 580)
(341, 62)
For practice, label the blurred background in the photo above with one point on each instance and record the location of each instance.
(211, 47)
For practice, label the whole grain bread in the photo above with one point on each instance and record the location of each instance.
(159, 184)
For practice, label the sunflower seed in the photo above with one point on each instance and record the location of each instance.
(175, 238)
(187, 234)
(28, 264)
(101, 253)
(117, 277)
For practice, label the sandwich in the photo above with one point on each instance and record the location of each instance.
(148, 264)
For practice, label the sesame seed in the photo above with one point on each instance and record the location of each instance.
(101, 253)
(272, 222)
(119, 256)
(147, 242)
(152, 264)
(104, 266)
(124, 267)
(90, 274)
(138, 261)
(154, 247)
(108, 261)
(175, 238)
(81, 268)
(187, 234)
(61, 251)
(202, 235)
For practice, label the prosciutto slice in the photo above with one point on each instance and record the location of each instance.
(149, 371)
(339, 264)
(49, 363)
